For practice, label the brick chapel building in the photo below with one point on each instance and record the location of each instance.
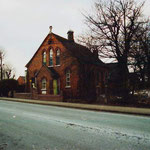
(62, 68)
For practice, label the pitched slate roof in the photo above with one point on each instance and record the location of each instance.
(54, 73)
(82, 53)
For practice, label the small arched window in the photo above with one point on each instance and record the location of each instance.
(58, 57)
(68, 78)
(44, 57)
(43, 86)
(51, 57)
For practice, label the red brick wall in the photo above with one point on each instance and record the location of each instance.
(66, 61)
(23, 95)
(57, 98)
(44, 73)
(21, 80)
(88, 83)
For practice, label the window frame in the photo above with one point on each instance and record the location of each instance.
(44, 57)
(43, 88)
(58, 52)
(68, 77)
(51, 53)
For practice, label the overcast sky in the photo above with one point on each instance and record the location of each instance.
(25, 23)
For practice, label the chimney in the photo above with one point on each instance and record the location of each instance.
(70, 36)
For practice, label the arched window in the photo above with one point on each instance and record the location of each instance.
(43, 86)
(44, 57)
(58, 57)
(68, 78)
(51, 57)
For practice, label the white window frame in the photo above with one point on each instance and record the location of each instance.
(68, 83)
(44, 82)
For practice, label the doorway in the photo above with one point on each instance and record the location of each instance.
(55, 90)
(56, 87)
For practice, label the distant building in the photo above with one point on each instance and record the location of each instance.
(61, 67)
(21, 80)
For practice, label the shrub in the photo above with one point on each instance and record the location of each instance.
(8, 85)
(20, 88)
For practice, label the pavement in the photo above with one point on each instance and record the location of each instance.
(117, 109)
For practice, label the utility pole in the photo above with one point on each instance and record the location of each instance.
(1, 61)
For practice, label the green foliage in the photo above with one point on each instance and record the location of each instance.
(8, 85)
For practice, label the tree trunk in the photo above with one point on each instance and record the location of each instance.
(148, 73)
(124, 83)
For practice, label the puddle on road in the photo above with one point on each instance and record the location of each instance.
(3, 146)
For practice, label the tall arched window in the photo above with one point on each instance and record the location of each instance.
(68, 78)
(51, 57)
(44, 57)
(58, 57)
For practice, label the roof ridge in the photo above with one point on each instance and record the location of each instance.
(59, 36)
(69, 41)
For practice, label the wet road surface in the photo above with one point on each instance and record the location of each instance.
(36, 127)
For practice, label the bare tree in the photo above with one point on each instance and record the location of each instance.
(2, 56)
(113, 25)
(10, 72)
(140, 54)
(6, 70)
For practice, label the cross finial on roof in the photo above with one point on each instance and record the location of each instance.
(50, 29)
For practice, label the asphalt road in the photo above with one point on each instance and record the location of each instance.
(36, 127)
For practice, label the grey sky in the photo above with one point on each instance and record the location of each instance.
(25, 23)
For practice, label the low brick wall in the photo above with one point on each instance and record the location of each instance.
(23, 95)
(57, 98)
